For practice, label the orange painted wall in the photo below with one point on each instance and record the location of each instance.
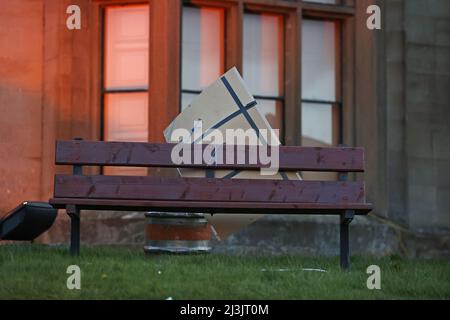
(50, 87)
(46, 93)
(21, 83)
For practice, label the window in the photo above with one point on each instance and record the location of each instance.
(263, 68)
(321, 107)
(326, 36)
(125, 95)
(296, 57)
(203, 49)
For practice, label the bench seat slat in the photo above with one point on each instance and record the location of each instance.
(202, 189)
(140, 154)
(211, 207)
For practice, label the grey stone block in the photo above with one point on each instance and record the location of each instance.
(441, 89)
(420, 58)
(442, 27)
(433, 8)
(441, 145)
(417, 245)
(442, 169)
(443, 59)
(421, 172)
(443, 208)
(308, 238)
(418, 140)
(422, 204)
(419, 89)
(396, 139)
(427, 89)
(420, 29)
(395, 87)
(393, 11)
(432, 114)
(395, 42)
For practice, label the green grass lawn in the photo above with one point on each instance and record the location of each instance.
(39, 272)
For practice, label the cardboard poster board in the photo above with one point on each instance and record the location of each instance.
(226, 104)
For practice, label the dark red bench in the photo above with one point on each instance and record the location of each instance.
(75, 192)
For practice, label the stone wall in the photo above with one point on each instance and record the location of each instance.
(427, 112)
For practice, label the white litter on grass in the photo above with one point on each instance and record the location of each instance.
(277, 270)
(312, 269)
(169, 298)
(159, 272)
(287, 269)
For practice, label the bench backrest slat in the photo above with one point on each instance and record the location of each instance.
(203, 189)
(138, 154)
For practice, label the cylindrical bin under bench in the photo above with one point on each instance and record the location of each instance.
(177, 233)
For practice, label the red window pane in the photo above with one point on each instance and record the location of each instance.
(126, 67)
(126, 119)
(126, 116)
(126, 46)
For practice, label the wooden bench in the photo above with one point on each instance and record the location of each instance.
(75, 192)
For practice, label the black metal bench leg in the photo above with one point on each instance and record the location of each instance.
(346, 218)
(74, 214)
